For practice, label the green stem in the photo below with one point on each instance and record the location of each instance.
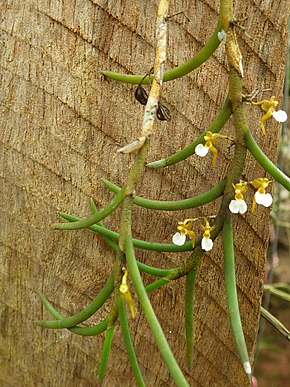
(129, 344)
(174, 205)
(157, 284)
(133, 178)
(232, 297)
(275, 323)
(83, 331)
(153, 270)
(197, 60)
(276, 292)
(153, 246)
(106, 351)
(267, 164)
(78, 318)
(95, 218)
(189, 315)
(217, 124)
(142, 266)
(156, 329)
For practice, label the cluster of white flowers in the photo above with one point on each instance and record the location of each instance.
(238, 204)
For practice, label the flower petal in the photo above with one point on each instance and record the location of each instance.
(201, 150)
(265, 199)
(238, 206)
(179, 239)
(243, 206)
(280, 115)
(234, 208)
(206, 244)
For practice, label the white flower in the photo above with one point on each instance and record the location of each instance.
(238, 206)
(179, 239)
(265, 199)
(201, 150)
(280, 115)
(206, 244)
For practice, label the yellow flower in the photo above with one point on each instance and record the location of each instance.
(184, 228)
(269, 107)
(206, 242)
(261, 197)
(124, 290)
(210, 139)
(239, 205)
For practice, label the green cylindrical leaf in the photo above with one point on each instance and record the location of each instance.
(106, 351)
(232, 297)
(267, 164)
(156, 329)
(174, 205)
(72, 321)
(83, 331)
(129, 344)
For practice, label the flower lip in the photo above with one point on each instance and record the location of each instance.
(280, 115)
(206, 244)
(238, 206)
(179, 239)
(265, 199)
(201, 150)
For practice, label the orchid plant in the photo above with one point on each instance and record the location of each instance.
(232, 190)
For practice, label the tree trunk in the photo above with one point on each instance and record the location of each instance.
(61, 124)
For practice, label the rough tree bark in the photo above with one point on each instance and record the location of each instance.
(61, 124)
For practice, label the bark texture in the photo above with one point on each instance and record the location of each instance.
(61, 124)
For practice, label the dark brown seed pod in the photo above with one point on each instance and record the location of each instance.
(141, 95)
(163, 113)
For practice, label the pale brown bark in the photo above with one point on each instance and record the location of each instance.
(61, 124)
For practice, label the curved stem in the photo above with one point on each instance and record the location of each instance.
(106, 351)
(216, 125)
(232, 297)
(83, 331)
(153, 270)
(95, 218)
(156, 329)
(179, 71)
(157, 284)
(267, 164)
(142, 266)
(174, 205)
(153, 246)
(129, 344)
(78, 318)
(145, 268)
